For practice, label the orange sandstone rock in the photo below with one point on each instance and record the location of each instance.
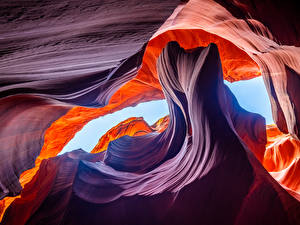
(134, 126)
(281, 159)
(236, 64)
(282, 150)
(290, 177)
(161, 124)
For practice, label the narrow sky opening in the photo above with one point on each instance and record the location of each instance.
(253, 97)
(88, 137)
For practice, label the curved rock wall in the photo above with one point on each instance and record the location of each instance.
(52, 61)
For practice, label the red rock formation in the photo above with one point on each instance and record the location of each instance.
(134, 126)
(180, 195)
(290, 176)
(279, 64)
(284, 26)
(23, 124)
(44, 178)
(237, 65)
(281, 159)
(282, 150)
(70, 69)
(43, 69)
(161, 124)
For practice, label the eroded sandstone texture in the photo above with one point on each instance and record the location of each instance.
(63, 64)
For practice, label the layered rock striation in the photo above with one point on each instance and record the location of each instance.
(133, 176)
(59, 71)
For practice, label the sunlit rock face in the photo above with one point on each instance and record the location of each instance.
(193, 89)
(41, 58)
(281, 150)
(188, 168)
(23, 123)
(281, 159)
(161, 124)
(135, 126)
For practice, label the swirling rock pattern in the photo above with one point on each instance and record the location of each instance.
(22, 133)
(282, 149)
(198, 151)
(281, 159)
(134, 126)
(48, 61)
(194, 167)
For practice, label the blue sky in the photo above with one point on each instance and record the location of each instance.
(250, 94)
(88, 137)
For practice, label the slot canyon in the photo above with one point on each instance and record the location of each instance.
(208, 162)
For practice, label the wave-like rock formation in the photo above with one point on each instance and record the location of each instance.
(49, 62)
(50, 56)
(161, 124)
(281, 151)
(206, 156)
(281, 159)
(290, 177)
(198, 152)
(22, 120)
(134, 126)
(278, 63)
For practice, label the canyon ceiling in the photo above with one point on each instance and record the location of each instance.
(65, 63)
